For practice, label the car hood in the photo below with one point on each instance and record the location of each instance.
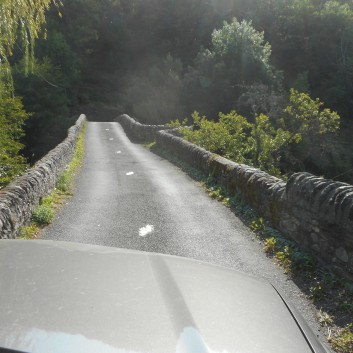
(66, 297)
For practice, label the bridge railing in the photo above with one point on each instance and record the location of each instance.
(19, 199)
(316, 213)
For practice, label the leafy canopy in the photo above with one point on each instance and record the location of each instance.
(12, 117)
(24, 18)
(308, 116)
(263, 143)
(237, 39)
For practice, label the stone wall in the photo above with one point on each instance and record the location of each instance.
(138, 132)
(315, 212)
(22, 196)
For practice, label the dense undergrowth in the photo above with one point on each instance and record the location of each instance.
(265, 143)
(44, 213)
(331, 294)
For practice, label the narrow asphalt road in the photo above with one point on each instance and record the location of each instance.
(128, 197)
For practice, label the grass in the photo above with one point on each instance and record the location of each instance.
(29, 232)
(332, 295)
(342, 342)
(44, 213)
(150, 145)
(65, 181)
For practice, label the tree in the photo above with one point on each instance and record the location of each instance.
(234, 137)
(305, 130)
(335, 58)
(23, 18)
(44, 95)
(12, 118)
(266, 143)
(227, 137)
(315, 128)
(239, 56)
(308, 117)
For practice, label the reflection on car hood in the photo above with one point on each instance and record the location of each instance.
(65, 297)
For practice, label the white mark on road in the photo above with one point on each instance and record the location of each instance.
(130, 173)
(107, 129)
(118, 152)
(111, 139)
(146, 230)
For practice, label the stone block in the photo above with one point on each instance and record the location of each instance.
(342, 254)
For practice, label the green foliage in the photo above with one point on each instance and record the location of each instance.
(43, 214)
(315, 130)
(44, 95)
(235, 138)
(286, 252)
(59, 61)
(306, 115)
(312, 43)
(45, 211)
(201, 55)
(241, 46)
(270, 245)
(264, 143)
(226, 137)
(64, 182)
(239, 56)
(343, 343)
(206, 56)
(29, 232)
(258, 224)
(22, 19)
(284, 258)
(12, 118)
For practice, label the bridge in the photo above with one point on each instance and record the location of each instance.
(315, 212)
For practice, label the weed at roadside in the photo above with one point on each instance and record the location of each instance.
(64, 182)
(43, 214)
(29, 232)
(270, 245)
(343, 342)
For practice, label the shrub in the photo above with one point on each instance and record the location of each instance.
(29, 232)
(64, 182)
(43, 214)
(343, 342)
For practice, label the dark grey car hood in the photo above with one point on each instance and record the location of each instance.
(65, 297)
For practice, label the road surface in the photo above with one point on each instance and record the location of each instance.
(128, 197)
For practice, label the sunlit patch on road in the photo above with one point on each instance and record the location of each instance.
(118, 152)
(111, 139)
(130, 173)
(146, 230)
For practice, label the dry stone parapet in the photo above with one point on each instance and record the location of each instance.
(22, 196)
(316, 213)
(138, 132)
